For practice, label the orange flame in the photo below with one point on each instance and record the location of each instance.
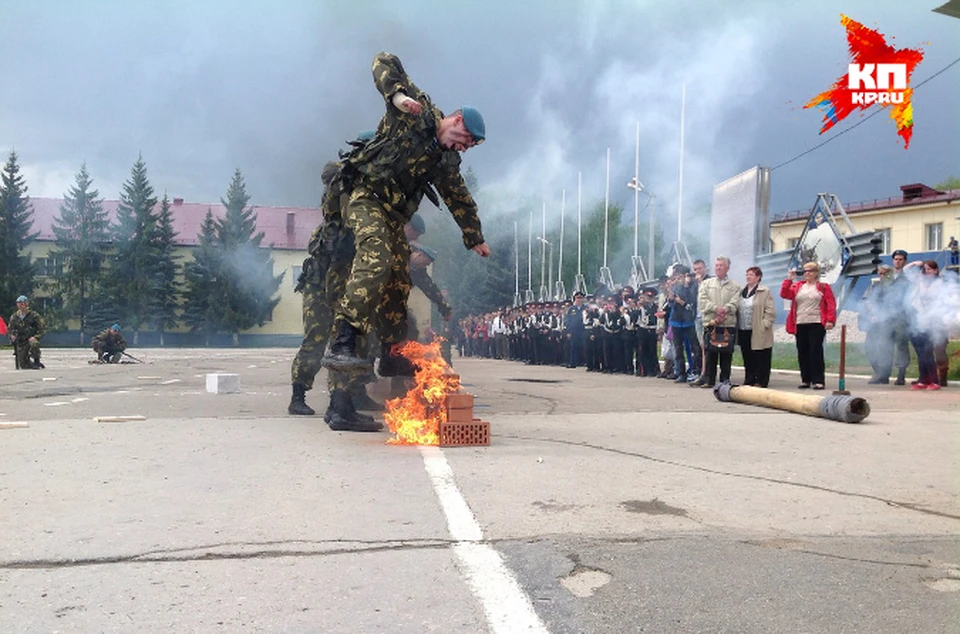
(415, 418)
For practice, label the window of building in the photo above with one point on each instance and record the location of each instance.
(792, 243)
(49, 267)
(49, 304)
(296, 274)
(885, 245)
(934, 236)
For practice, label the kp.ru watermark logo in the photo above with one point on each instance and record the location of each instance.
(878, 75)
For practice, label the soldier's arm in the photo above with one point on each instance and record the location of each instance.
(41, 329)
(422, 280)
(391, 79)
(463, 208)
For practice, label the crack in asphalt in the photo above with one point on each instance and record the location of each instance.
(171, 556)
(553, 402)
(803, 485)
(861, 560)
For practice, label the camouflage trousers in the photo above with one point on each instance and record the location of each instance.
(319, 297)
(379, 284)
(27, 354)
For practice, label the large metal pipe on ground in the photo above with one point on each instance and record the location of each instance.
(846, 409)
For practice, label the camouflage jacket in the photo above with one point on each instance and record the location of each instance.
(20, 329)
(422, 280)
(109, 341)
(404, 157)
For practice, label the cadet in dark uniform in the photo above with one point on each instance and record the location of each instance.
(647, 364)
(574, 330)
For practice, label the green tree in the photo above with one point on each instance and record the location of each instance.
(201, 283)
(135, 254)
(163, 315)
(16, 221)
(82, 240)
(952, 182)
(247, 282)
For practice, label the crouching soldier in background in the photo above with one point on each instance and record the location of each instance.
(109, 345)
(25, 330)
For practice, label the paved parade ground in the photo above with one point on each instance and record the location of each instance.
(604, 504)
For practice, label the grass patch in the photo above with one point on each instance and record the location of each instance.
(785, 358)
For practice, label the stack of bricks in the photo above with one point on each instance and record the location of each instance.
(461, 429)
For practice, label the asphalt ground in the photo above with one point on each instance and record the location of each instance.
(604, 504)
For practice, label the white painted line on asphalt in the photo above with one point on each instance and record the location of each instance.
(170, 381)
(79, 399)
(14, 425)
(56, 403)
(118, 419)
(506, 605)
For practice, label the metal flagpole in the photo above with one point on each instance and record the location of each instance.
(579, 284)
(636, 197)
(605, 277)
(516, 258)
(638, 273)
(560, 292)
(683, 102)
(528, 296)
(544, 289)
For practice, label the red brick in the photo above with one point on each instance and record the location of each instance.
(460, 415)
(459, 401)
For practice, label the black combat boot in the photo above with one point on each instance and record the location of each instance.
(342, 416)
(298, 404)
(342, 355)
(394, 364)
(362, 400)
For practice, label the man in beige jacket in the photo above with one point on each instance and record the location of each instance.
(718, 300)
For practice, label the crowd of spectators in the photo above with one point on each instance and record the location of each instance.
(685, 328)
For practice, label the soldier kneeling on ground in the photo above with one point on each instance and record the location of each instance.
(109, 345)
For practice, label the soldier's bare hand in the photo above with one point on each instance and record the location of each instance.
(482, 249)
(411, 105)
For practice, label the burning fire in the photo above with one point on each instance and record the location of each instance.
(415, 418)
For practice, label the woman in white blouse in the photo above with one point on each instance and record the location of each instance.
(755, 317)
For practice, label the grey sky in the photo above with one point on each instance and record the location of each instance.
(274, 88)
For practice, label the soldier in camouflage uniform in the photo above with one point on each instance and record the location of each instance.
(415, 149)
(321, 281)
(25, 328)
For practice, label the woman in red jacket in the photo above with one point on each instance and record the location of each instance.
(813, 311)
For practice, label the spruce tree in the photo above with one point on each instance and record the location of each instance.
(165, 287)
(16, 221)
(247, 280)
(82, 240)
(133, 268)
(201, 281)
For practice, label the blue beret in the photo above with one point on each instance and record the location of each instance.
(366, 135)
(417, 224)
(473, 122)
(427, 251)
(115, 327)
(22, 298)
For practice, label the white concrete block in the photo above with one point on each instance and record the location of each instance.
(219, 383)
